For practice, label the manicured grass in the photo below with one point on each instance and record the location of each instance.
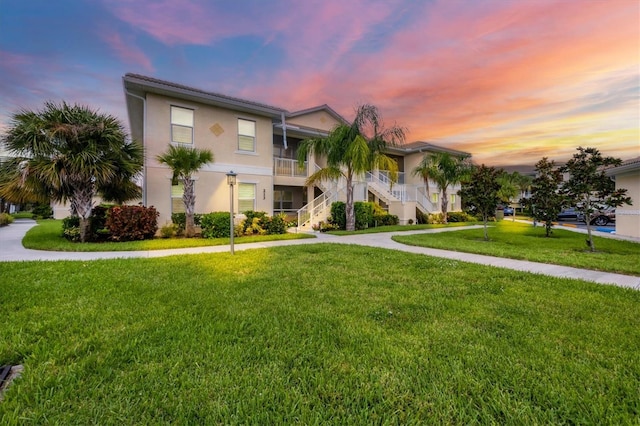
(22, 215)
(47, 236)
(517, 240)
(399, 228)
(314, 334)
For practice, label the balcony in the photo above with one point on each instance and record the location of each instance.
(288, 167)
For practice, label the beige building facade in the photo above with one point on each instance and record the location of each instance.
(627, 176)
(259, 143)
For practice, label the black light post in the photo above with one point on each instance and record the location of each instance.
(231, 180)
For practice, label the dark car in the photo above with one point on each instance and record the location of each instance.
(603, 217)
(570, 213)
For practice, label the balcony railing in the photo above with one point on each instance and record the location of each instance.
(288, 167)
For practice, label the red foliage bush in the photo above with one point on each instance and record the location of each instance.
(128, 223)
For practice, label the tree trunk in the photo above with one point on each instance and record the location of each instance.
(83, 203)
(189, 199)
(349, 211)
(590, 243)
(445, 204)
(485, 219)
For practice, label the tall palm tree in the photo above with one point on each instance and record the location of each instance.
(444, 170)
(71, 153)
(353, 149)
(184, 162)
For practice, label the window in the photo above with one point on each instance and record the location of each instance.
(282, 200)
(434, 197)
(246, 135)
(177, 205)
(181, 125)
(452, 199)
(246, 197)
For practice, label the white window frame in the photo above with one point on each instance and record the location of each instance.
(435, 197)
(245, 136)
(452, 199)
(182, 123)
(243, 200)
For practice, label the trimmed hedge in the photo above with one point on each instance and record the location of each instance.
(368, 215)
(129, 223)
(5, 219)
(215, 225)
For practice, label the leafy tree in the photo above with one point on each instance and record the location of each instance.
(70, 153)
(589, 188)
(546, 200)
(444, 170)
(184, 162)
(480, 193)
(353, 149)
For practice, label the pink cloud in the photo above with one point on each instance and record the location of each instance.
(127, 51)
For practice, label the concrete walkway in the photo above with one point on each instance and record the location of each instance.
(11, 249)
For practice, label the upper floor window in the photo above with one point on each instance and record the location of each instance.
(246, 135)
(181, 125)
(434, 197)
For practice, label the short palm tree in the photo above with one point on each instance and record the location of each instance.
(71, 153)
(184, 162)
(353, 149)
(444, 170)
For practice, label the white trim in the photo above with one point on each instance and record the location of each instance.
(248, 170)
(182, 105)
(620, 212)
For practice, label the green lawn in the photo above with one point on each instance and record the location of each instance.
(517, 240)
(47, 236)
(314, 334)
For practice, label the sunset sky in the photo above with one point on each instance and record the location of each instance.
(509, 81)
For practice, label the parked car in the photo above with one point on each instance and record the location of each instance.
(508, 211)
(603, 217)
(570, 213)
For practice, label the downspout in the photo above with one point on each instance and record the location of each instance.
(144, 145)
(284, 130)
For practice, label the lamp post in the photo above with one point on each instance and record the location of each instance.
(231, 180)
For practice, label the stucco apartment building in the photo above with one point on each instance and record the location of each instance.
(627, 176)
(259, 143)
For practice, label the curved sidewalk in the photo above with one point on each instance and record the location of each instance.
(11, 249)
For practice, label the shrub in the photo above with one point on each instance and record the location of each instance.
(5, 219)
(338, 215)
(71, 228)
(215, 225)
(180, 220)
(385, 219)
(435, 218)
(421, 218)
(254, 223)
(368, 215)
(460, 217)
(129, 223)
(42, 211)
(276, 224)
(168, 230)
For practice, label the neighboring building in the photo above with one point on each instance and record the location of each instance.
(627, 176)
(258, 142)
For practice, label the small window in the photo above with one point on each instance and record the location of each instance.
(246, 197)
(452, 199)
(181, 125)
(177, 205)
(246, 135)
(434, 197)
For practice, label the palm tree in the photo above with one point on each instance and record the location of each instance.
(353, 149)
(444, 170)
(184, 162)
(71, 153)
